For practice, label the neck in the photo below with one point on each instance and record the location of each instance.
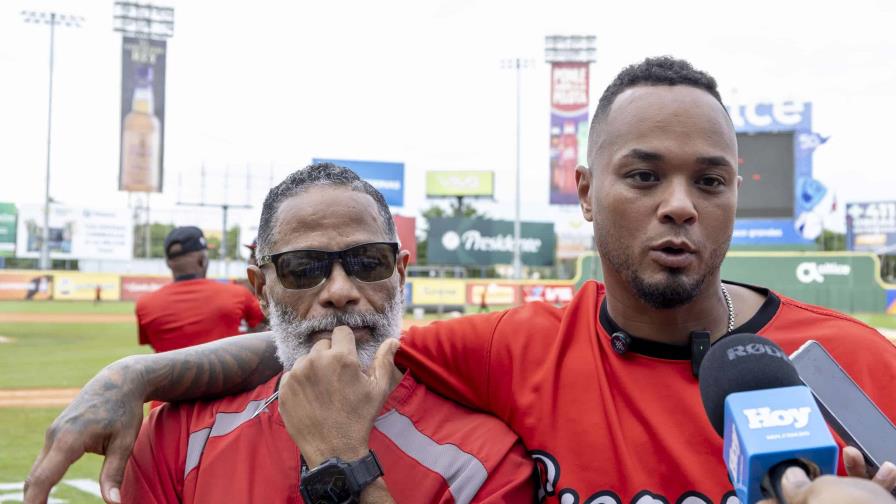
(706, 312)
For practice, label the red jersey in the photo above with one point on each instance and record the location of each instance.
(431, 450)
(607, 428)
(191, 312)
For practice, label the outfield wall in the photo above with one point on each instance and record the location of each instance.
(844, 281)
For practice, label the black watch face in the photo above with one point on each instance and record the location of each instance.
(328, 485)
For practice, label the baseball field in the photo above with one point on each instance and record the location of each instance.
(50, 349)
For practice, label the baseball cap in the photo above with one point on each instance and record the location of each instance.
(190, 239)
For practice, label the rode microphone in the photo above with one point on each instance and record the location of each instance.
(755, 399)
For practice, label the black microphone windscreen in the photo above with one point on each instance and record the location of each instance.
(740, 363)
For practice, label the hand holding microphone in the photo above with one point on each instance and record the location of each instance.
(776, 440)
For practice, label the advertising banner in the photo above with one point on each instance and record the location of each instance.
(460, 183)
(82, 286)
(871, 227)
(76, 233)
(132, 287)
(569, 129)
(406, 228)
(438, 291)
(549, 293)
(485, 242)
(7, 229)
(142, 115)
(25, 286)
(496, 294)
(387, 178)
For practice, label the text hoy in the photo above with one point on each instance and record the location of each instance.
(761, 418)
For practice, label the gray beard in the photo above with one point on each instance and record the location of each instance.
(291, 333)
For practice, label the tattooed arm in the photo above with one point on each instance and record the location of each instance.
(105, 417)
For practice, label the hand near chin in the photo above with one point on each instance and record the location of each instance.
(327, 401)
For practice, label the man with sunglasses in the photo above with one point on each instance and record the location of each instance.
(606, 424)
(342, 424)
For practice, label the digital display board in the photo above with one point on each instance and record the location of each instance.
(766, 163)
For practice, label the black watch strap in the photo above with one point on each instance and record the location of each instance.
(365, 470)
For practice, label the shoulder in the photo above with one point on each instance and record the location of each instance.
(413, 414)
(797, 322)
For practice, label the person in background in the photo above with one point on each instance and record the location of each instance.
(193, 309)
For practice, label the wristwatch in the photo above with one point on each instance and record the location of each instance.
(339, 482)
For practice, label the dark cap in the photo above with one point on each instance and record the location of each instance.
(190, 239)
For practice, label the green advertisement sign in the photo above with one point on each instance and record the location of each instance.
(7, 229)
(846, 282)
(460, 183)
(486, 242)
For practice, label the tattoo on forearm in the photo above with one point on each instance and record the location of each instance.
(214, 369)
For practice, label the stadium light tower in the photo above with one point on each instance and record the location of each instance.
(52, 19)
(517, 64)
(570, 48)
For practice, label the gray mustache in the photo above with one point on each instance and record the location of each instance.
(351, 319)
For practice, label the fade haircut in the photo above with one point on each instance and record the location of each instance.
(317, 174)
(657, 71)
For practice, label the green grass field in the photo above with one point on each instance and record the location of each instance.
(46, 354)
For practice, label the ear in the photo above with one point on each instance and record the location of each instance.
(584, 184)
(257, 281)
(404, 257)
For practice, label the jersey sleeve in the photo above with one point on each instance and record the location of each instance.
(252, 313)
(452, 357)
(511, 480)
(154, 473)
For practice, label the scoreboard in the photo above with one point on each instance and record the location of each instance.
(766, 164)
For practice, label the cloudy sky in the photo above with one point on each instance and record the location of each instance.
(263, 87)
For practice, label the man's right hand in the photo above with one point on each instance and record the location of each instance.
(799, 489)
(105, 419)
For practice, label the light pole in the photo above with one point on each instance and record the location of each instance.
(52, 19)
(518, 64)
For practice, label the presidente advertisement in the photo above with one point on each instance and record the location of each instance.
(142, 115)
(484, 242)
(569, 129)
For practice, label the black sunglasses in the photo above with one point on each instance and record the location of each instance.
(305, 269)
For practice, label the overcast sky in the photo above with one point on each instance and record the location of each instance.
(270, 85)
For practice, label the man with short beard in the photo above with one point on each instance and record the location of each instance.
(606, 424)
(342, 424)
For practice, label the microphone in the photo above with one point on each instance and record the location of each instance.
(755, 399)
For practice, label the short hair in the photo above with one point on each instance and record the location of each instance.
(656, 71)
(316, 174)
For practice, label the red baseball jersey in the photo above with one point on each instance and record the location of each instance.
(191, 312)
(606, 428)
(432, 451)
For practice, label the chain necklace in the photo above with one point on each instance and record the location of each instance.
(730, 307)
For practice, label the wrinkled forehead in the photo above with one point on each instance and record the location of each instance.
(657, 116)
(327, 218)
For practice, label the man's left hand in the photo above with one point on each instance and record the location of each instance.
(327, 401)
